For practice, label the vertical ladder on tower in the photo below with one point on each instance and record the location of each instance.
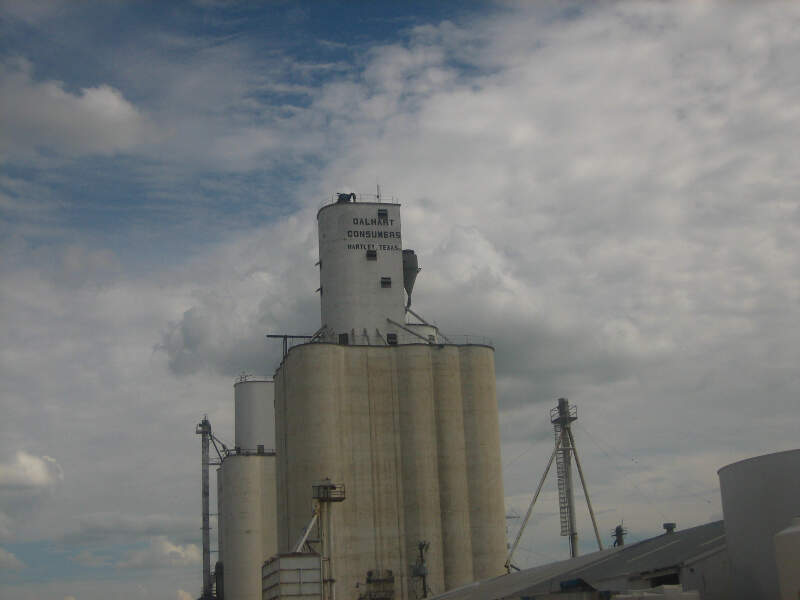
(564, 507)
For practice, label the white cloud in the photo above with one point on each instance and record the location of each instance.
(9, 562)
(616, 214)
(162, 554)
(182, 595)
(30, 474)
(43, 115)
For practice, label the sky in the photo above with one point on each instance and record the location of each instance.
(609, 191)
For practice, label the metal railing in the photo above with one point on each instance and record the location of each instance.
(382, 199)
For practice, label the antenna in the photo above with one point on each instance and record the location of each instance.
(562, 417)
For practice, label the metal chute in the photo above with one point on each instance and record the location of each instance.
(410, 270)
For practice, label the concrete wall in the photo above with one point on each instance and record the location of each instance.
(249, 532)
(759, 498)
(411, 431)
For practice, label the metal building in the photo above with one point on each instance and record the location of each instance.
(405, 420)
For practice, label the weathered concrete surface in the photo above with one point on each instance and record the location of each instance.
(411, 431)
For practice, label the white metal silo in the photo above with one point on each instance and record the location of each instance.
(760, 496)
(254, 406)
(361, 271)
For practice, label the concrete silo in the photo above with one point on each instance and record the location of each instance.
(404, 419)
(247, 502)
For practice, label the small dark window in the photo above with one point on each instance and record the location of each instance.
(391, 339)
(386, 282)
(383, 213)
(344, 339)
(372, 255)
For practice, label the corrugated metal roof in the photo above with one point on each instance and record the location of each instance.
(661, 553)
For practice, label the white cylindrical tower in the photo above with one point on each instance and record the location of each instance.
(361, 272)
(254, 401)
(249, 534)
(760, 496)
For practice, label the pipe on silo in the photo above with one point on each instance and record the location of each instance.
(453, 487)
(484, 465)
(420, 473)
(220, 513)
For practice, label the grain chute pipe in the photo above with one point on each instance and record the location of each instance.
(299, 546)
(530, 507)
(585, 489)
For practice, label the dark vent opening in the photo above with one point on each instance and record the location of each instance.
(372, 255)
(386, 282)
(391, 339)
(383, 213)
(344, 339)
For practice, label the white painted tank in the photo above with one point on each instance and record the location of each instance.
(391, 424)
(254, 402)
(760, 496)
(361, 271)
(249, 531)
(787, 556)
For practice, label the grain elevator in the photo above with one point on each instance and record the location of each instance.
(381, 403)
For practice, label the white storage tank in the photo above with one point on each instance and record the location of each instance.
(787, 554)
(249, 517)
(254, 406)
(760, 496)
(361, 271)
